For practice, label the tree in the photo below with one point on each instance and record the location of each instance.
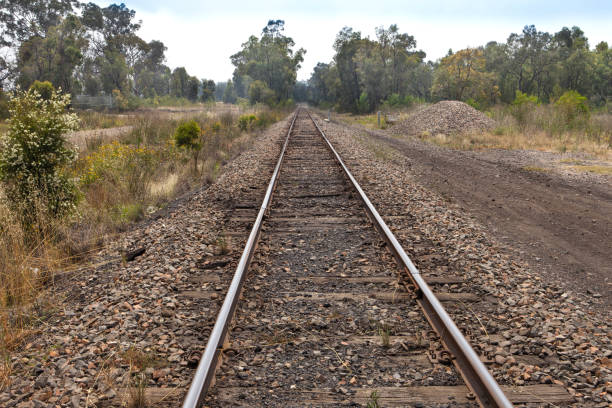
(34, 153)
(21, 20)
(179, 82)
(208, 90)
(229, 94)
(114, 72)
(270, 59)
(193, 85)
(54, 57)
(531, 64)
(347, 46)
(187, 135)
(576, 61)
(462, 76)
(602, 73)
(114, 46)
(220, 90)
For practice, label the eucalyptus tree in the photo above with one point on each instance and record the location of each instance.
(270, 59)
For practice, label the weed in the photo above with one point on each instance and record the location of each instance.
(138, 391)
(139, 359)
(593, 169)
(384, 331)
(536, 169)
(373, 400)
(227, 119)
(5, 371)
(223, 245)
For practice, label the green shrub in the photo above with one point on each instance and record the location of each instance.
(259, 92)
(266, 117)
(34, 152)
(125, 167)
(45, 89)
(474, 103)
(363, 104)
(245, 122)
(573, 109)
(522, 106)
(394, 100)
(130, 212)
(187, 135)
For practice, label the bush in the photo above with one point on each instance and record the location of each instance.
(245, 122)
(227, 119)
(522, 106)
(573, 109)
(45, 89)
(187, 135)
(128, 169)
(474, 103)
(363, 104)
(394, 100)
(260, 93)
(125, 103)
(34, 152)
(265, 118)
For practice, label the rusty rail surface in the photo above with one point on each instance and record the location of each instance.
(205, 373)
(473, 371)
(478, 379)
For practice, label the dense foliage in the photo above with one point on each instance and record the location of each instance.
(187, 135)
(34, 154)
(266, 67)
(88, 49)
(366, 73)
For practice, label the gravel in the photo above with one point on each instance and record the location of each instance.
(447, 117)
(534, 332)
(116, 319)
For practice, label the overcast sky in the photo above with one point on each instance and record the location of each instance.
(201, 35)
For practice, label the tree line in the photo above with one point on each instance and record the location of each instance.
(366, 73)
(92, 50)
(87, 49)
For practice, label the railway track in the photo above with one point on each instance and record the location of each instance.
(326, 317)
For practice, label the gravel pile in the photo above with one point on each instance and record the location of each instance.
(530, 331)
(447, 117)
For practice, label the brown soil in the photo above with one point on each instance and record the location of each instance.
(562, 226)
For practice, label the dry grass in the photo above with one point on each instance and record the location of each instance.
(102, 120)
(371, 120)
(536, 169)
(122, 194)
(606, 170)
(542, 131)
(27, 267)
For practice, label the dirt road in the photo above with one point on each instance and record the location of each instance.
(559, 225)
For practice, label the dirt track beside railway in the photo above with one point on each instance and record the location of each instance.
(560, 224)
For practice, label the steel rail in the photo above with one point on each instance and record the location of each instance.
(205, 373)
(477, 377)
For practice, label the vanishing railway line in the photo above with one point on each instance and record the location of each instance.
(326, 316)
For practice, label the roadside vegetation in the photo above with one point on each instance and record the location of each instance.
(64, 193)
(59, 205)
